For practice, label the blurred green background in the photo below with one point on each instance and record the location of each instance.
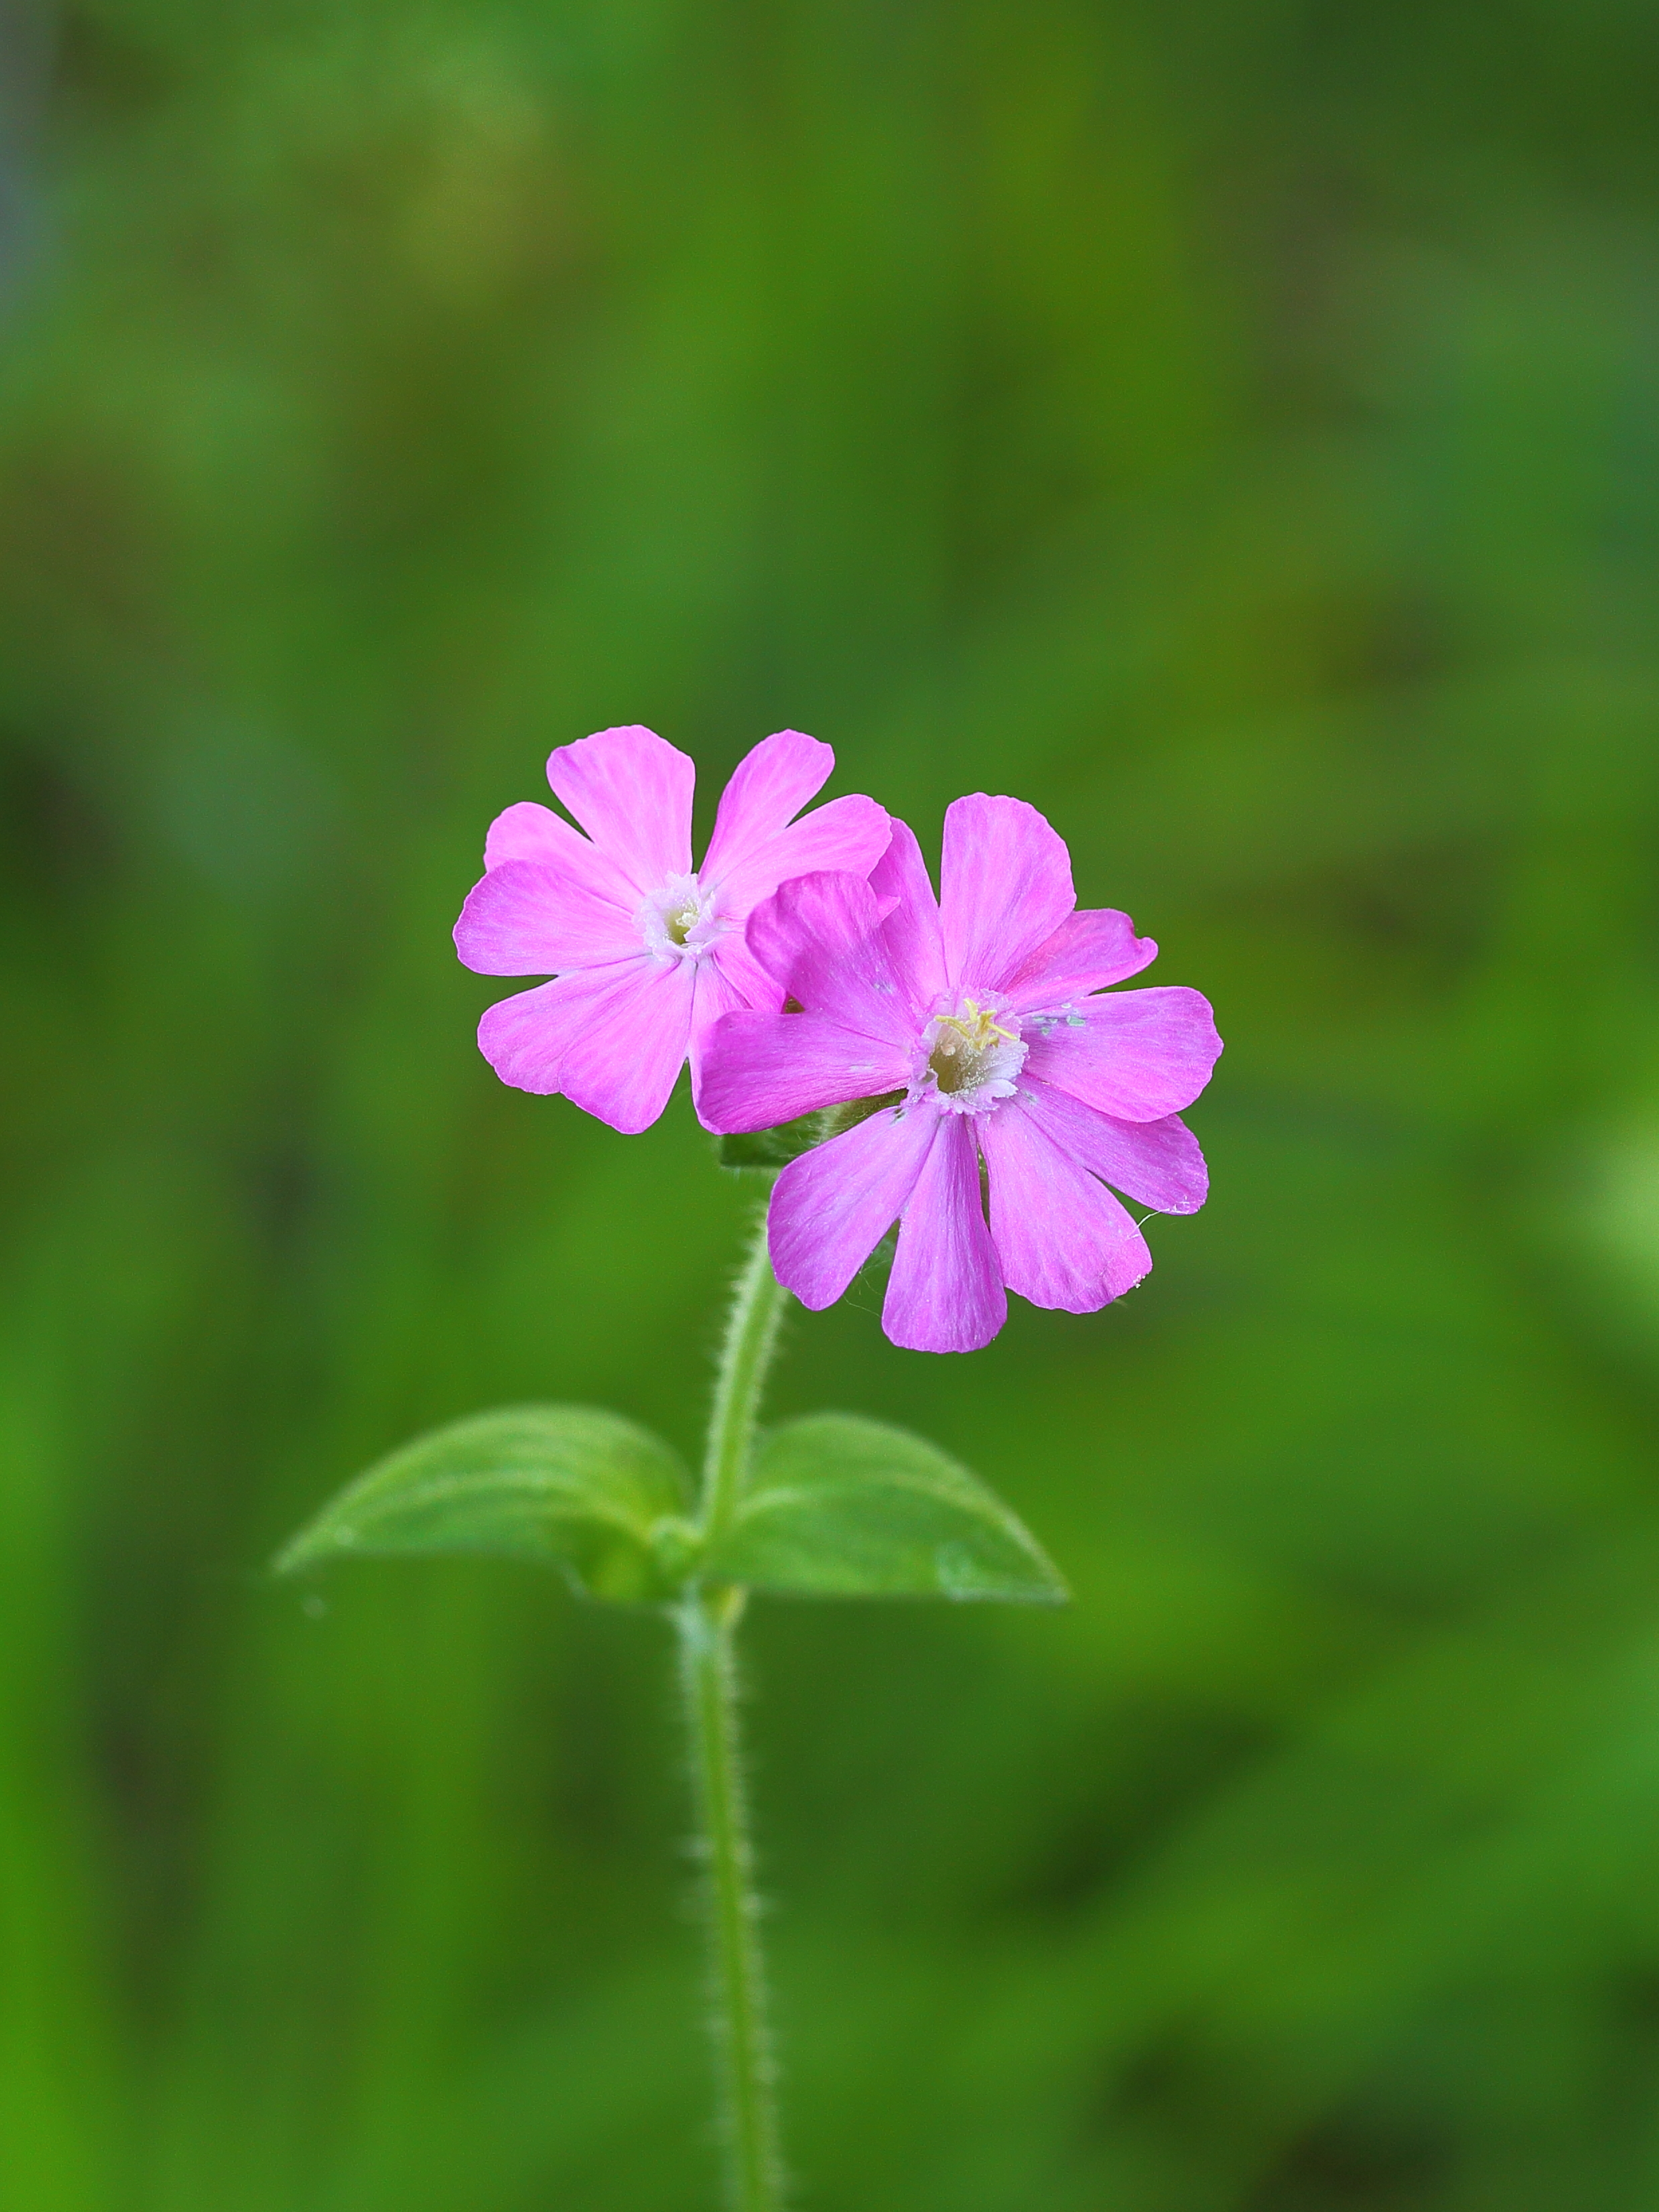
(1234, 429)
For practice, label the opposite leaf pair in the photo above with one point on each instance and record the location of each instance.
(834, 1506)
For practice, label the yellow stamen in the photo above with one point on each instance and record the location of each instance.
(961, 1042)
(975, 1028)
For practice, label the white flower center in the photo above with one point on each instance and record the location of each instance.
(971, 1059)
(678, 922)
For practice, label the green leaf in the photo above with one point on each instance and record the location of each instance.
(598, 1496)
(775, 1147)
(842, 1507)
(769, 1148)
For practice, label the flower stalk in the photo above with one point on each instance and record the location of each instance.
(708, 1618)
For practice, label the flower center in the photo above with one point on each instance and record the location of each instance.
(972, 1060)
(678, 922)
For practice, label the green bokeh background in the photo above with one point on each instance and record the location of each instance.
(1234, 429)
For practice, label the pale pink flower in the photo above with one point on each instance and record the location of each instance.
(981, 1012)
(645, 952)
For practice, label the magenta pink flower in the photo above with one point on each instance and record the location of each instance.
(646, 954)
(979, 1009)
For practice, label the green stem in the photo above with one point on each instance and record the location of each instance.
(751, 1337)
(708, 1672)
(709, 1620)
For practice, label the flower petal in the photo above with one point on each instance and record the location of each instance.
(945, 1293)
(849, 833)
(728, 981)
(820, 937)
(525, 1038)
(831, 1207)
(527, 918)
(758, 1070)
(1158, 1163)
(1089, 950)
(1136, 1055)
(912, 926)
(530, 832)
(741, 981)
(631, 791)
(1005, 886)
(622, 1064)
(770, 785)
(1062, 1239)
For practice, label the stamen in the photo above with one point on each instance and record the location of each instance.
(972, 1058)
(976, 1027)
(679, 920)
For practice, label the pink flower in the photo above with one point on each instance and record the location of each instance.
(646, 954)
(979, 1009)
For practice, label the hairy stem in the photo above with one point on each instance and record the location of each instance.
(708, 1621)
(709, 1674)
(751, 1336)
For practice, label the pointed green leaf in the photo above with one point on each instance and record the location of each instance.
(597, 1495)
(842, 1507)
(775, 1147)
(771, 1149)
